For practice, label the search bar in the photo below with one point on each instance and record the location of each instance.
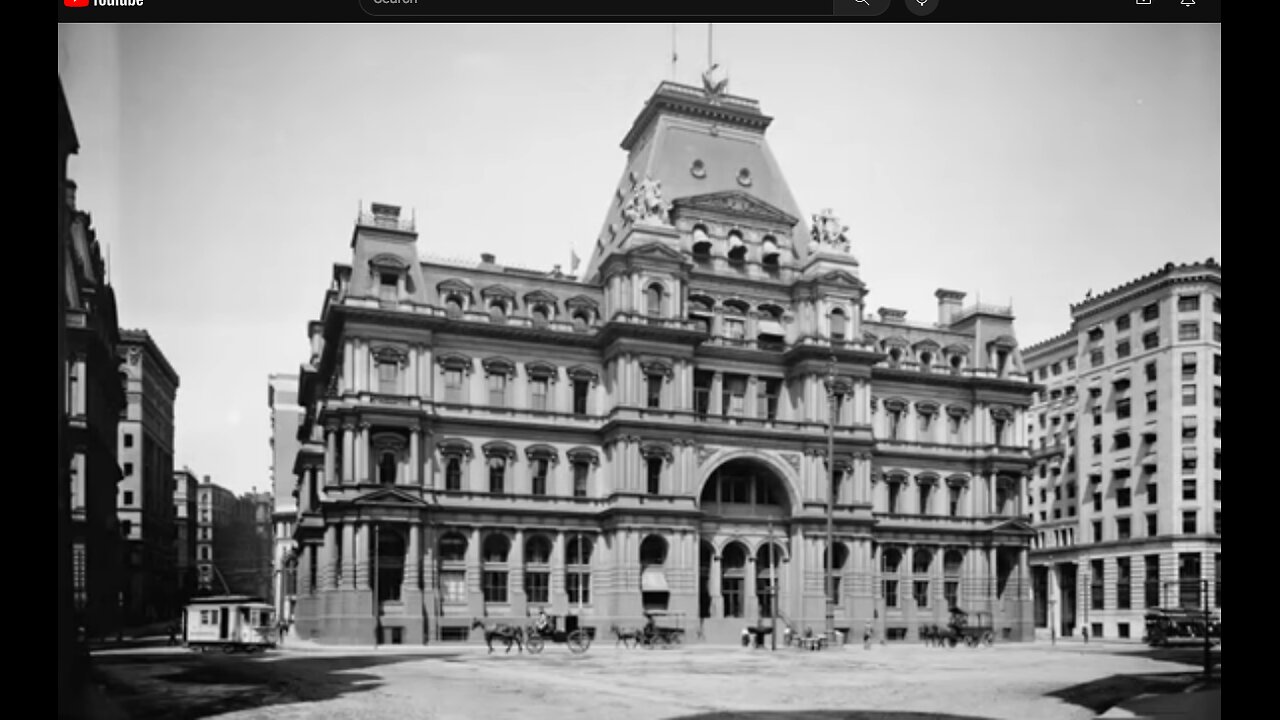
(860, 8)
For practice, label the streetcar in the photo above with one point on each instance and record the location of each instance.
(234, 623)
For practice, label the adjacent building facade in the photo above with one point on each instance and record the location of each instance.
(1126, 495)
(484, 441)
(185, 528)
(146, 490)
(286, 416)
(95, 400)
(216, 516)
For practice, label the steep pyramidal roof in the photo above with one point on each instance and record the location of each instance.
(698, 142)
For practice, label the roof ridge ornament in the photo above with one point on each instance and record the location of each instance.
(715, 80)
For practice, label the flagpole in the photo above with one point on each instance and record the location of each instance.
(674, 56)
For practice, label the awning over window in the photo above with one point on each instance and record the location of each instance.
(1189, 421)
(771, 327)
(1189, 453)
(653, 580)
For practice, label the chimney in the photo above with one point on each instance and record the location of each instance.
(948, 305)
(486, 258)
(208, 480)
(890, 315)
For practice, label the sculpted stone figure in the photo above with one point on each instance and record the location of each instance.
(828, 230)
(647, 204)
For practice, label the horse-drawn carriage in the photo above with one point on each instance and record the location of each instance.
(577, 638)
(960, 629)
(654, 634)
(1171, 626)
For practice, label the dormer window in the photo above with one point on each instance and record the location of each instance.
(540, 314)
(653, 300)
(701, 244)
(454, 305)
(926, 359)
(838, 325)
(581, 321)
(895, 356)
(769, 255)
(388, 286)
(497, 311)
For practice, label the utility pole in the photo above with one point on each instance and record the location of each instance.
(773, 592)
(831, 498)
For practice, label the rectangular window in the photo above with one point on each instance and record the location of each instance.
(1189, 330)
(580, 389)
(453, 474)
(540, 467)
(1095, 585)
(1123, 580)
(894, 491)
(920, 590)
(953, 501)
(1188, 488)
(1152, 528)
(128, 497)
(498, 390)
(538, 388)
(1217, 396)
(1096, 358)
(128, 469)
(578, 586)
(1189, 580)
(1189, 459)
(733, 395)
(1095, 334)
(580, 470)
(1150, 369)
(453, 585)
(734, 329)
(1152, 493)
(1188, 395)
(1097, 444)
(388, 374)
(1152, 401)
(1217, 580)
(1151, 312)
(1151, 584)
(1189, 366)
(497, 475)
(128, 440)
(1122, 528)
(388, 286)
(1122, 408)
(1217, 332)
(453, 386)
(1151, 340)
(1217, 427)
(1122, 497)
(1122, 322)
(1189, 522)
(1071, 363)
(494, 586)
(653, 391)
(891, 593)
(1217, 489)
(1188, 303)
(769, 389)
(951, 592)
(1122, 349)
(537, 587)
(655, 476)
(1097, 502)
(1217, 522)
(1122, 441)
(1097, 531)
(1217, 364)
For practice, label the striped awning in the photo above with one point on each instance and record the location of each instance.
(653, 580)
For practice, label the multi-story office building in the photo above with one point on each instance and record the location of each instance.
(185, 504)
(247, 546)
(95, 400)
(216, 509)
(146, 491)
(286, 416)
(1126, 494)
(485, 441)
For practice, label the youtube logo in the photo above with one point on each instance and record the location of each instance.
(76, 3)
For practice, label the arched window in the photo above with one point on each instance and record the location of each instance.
(537, 569)
(890, 561)
(733, 564)
(921, 562)
(769, 254)
(581, 320)
(701, 244)
(737, 248)
(497, 310)
(540, 314)
(387, 467)
(653, 300)
(838, 328)
(494, 562)
(453, 568)
(454, 305)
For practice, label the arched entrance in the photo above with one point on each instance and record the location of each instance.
(744, 559)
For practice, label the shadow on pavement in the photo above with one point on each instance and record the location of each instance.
(186, 686)
(823, 715)
(1102, 694)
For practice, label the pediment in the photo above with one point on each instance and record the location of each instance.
(842, 277)
(656, 249)
(389, 496)
(1012, 527)
(736, 203)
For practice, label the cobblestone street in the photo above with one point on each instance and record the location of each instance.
(893, 682)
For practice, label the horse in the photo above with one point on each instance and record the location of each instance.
(506, 633)
(627, 636)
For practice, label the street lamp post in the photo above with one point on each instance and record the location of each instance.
(831, 498)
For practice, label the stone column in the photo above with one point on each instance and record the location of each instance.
(329, 558)
(752, 400)
(362, 440)
(330, 454)
(348, 557)
(411, 374)
(1024, 574)
(717, 390)
(348, 454)
(714, 589)
(415, 463)
(413, 559)
(750, 607)
(361, 556)
(348, 369)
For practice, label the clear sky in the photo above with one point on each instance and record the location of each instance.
(223, 165)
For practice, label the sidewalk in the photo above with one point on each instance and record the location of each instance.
(1204, 704)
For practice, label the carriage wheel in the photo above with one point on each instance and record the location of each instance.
(579, 641)
(535, 644)
(952, 640)
(971, 640)
(989, 638)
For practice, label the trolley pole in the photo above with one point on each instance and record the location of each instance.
(831, 495)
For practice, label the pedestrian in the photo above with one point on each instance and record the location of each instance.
(173, 634)
(866, 636)
(1084, 632)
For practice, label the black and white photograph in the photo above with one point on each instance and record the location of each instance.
(644, 371)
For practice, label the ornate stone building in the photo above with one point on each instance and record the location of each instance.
(286, 415)
(1126, 435)
(482, 441)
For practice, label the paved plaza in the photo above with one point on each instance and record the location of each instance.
(887, 682)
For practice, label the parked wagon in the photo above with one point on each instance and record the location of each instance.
(972, 629)
(230, 622)
(1173, 626)
(576, 637)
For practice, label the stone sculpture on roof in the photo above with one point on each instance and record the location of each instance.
(646, 203)
(828, 230)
